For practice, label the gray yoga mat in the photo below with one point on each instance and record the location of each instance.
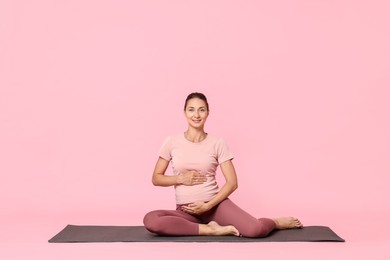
(77, 234)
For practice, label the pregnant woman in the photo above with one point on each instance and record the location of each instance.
(202, 208)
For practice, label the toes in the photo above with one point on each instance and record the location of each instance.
(298, 224)
(235, 231)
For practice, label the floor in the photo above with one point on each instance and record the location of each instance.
(366, 238)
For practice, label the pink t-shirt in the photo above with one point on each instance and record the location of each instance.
(204, 156)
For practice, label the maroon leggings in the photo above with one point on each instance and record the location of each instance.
(176, 222)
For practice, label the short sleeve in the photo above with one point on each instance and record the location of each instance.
(223, 152)
(165, 149)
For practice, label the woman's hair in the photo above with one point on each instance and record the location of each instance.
(196, 95)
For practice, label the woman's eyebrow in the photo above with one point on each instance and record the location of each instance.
(198, 108)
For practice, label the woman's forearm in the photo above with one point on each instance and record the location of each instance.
(165, 181)
(186, 178)
(230, 185)
(223, 194)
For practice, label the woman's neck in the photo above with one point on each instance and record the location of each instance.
(195, 135)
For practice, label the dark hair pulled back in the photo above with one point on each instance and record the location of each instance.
(196, 95)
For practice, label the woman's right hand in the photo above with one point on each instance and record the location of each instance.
(191, 178)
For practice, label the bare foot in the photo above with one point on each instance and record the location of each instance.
(214, 229)
(287, 223)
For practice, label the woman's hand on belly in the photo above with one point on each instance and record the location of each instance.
(191, 178)
(196, 208)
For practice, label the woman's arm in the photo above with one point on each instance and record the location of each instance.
(158, 178)
(188, 178)
(230, 185)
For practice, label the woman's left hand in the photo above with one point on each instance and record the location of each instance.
(196, 208)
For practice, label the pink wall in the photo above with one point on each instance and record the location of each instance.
(89, 90)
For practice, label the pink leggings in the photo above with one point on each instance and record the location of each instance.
(176, 222)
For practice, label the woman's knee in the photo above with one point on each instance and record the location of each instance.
(151, 221)
(257, 230)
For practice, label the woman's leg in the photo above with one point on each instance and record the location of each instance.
(214, 229)
(228, 213)
(179, 223)
(171, 222)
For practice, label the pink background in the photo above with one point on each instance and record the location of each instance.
(300, 90)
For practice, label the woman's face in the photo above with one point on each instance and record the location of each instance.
(196, 113)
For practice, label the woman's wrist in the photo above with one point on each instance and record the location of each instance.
(179, 179)
(208, 205)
